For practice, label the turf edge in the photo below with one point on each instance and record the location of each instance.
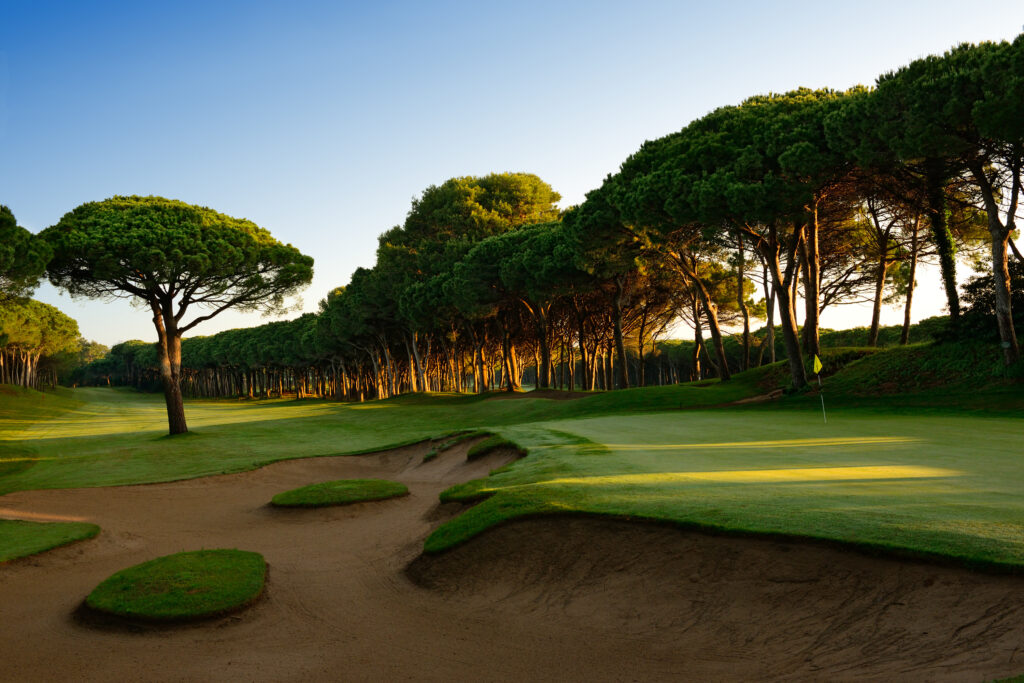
(20, 538)
(437, 544)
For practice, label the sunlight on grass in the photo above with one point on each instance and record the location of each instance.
(805, 474)
(778, 443)
(948, 484)
(110, 413)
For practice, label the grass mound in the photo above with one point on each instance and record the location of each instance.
(183, 587)
(922, 366)
(491, 444)
(20, 539)
(341, 492)
(951, 376)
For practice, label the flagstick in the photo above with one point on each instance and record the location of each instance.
(822, 395)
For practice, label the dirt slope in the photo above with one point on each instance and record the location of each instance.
(568, 599)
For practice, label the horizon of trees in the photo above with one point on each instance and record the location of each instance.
(38, 343)
(773, 210)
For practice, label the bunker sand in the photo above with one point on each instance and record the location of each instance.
(349, 596)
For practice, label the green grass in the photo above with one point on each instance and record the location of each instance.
(935, 471)
(341, 492)
(920, 367)
(20, 539)
(943, 485)
(183, 587)
(110, 437)
(491, 444)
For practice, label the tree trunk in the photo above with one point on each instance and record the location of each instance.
(880, 271)
(770, 298)
(812, 285)
(641, 380)
(621, 376)
(169, 353)
(783, 282)
(421, 375)
(586, 382)
(414, 375)
(741, 301)
(698, 344)
(1000, 236)
(479, 376)
(508, 351)
(905, 333)
(391, 376)
(1004, 312)
(378, 381)
(544, 364)
(941, 235)
(572, 365)
(711, 313)
(688, 266)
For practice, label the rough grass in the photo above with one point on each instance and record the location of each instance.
(341, 492)
(20, 539)
(914, 368)
(183, 587)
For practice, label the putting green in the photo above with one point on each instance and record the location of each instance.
(930, 484)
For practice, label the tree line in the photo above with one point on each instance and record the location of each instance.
(39, 345)
(773, 209)
(813, 197)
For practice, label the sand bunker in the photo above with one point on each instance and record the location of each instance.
(349, 597)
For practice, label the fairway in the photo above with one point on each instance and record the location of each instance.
(930, 483)
(535, 592)
(394, 369)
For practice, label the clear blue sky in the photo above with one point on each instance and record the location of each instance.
(321, 120)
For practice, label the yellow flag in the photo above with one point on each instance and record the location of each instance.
(817, 365)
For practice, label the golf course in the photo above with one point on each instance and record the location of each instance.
(505, 342)
(639, 533)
